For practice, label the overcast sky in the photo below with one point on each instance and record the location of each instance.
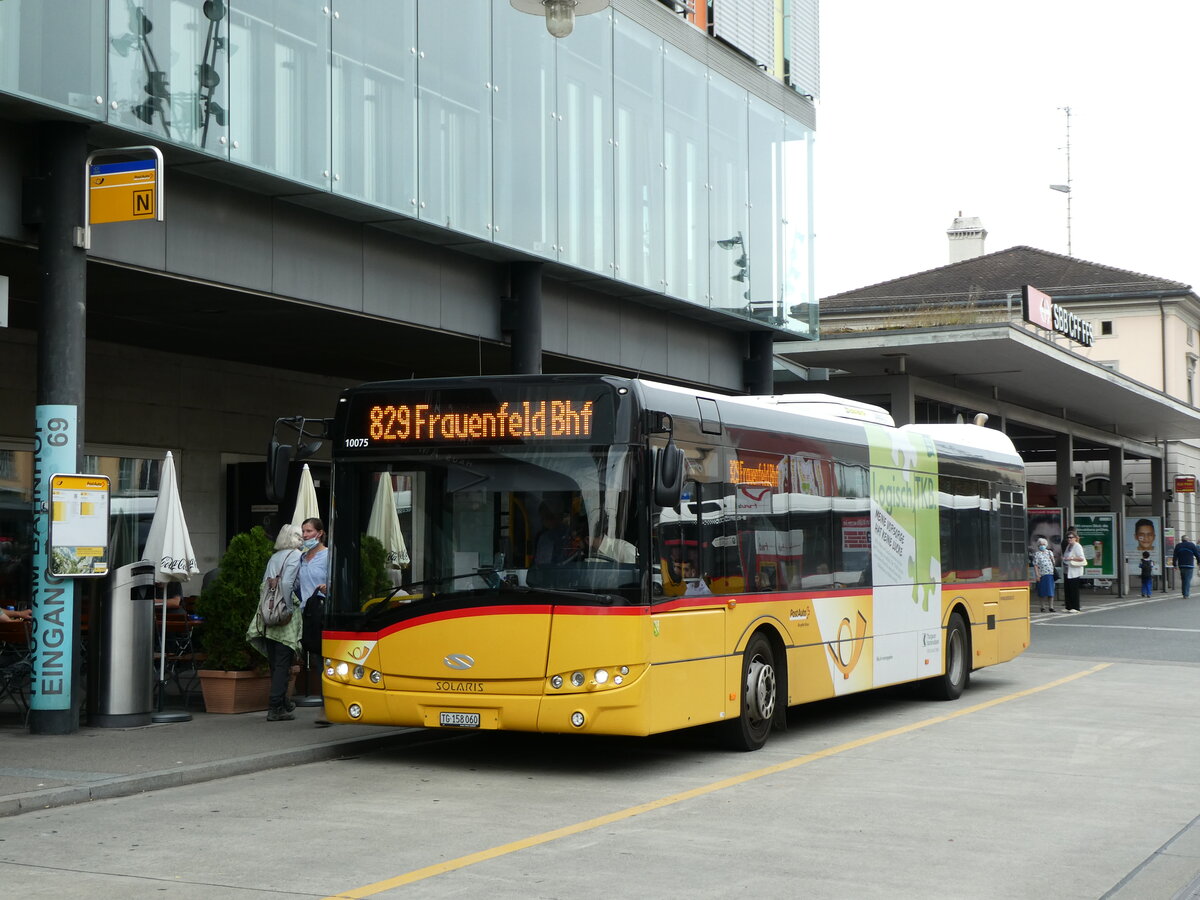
(935, 106)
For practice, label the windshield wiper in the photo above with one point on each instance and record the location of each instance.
(490, 577)
(606, 599)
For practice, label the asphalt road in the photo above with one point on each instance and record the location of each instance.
(1068, 773)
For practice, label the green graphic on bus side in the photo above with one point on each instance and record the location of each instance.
(905, 534)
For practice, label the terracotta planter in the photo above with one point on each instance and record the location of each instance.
(234, 692)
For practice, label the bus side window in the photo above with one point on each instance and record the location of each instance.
(852, 546)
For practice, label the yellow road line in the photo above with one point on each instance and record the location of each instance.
(545, 837)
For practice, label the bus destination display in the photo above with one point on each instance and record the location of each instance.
(451, 418)
(418, 422)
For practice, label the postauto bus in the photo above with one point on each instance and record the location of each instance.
(604, 555)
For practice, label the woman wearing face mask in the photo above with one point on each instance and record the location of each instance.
(311, 586)
(314, 563)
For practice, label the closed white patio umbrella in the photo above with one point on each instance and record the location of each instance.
(169, 549)
(306, 499)
(384, 524)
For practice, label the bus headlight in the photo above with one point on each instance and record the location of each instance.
(359, 671)
(376, 676)
(577, 719)
(355, 711)
(577, 679)
(556, 682)
(601, 676)
(342, 669)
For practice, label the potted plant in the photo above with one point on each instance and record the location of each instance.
(234, 678)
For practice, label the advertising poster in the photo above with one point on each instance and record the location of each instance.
(1143, 534)
(1046, 522)
(1097, 536)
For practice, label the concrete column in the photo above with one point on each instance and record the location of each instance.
(525, 319)
(1065, 480)
(758, 369)
(1116, 500)
(1158, 505)
(904, 404)
(56, 698)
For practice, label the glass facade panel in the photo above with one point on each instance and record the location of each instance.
(375, 102)
(728, 158)
(799, 300)
(763, 248)
(454, 160)
(638, 102)
(585, 146)
(524, 133)
(54, 52)
(466, 116)
(168, 70)
(279, 89)
(686, 151)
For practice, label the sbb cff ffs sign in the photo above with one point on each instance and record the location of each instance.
(1185, 484)
(1041, 310)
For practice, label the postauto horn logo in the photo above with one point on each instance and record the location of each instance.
(458, 661)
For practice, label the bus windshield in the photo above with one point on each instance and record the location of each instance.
(486, 525)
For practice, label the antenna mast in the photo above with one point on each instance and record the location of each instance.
(1067, 111)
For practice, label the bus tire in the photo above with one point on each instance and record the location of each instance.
(760, 694)
(957, 656)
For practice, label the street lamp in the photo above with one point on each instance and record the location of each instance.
(560, 14)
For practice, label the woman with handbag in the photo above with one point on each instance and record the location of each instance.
(279, 643)
(1073, 564)
(312, 585)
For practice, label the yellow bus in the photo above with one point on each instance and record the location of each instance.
(604, 555)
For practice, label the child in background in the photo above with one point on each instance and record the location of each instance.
(1147, 568)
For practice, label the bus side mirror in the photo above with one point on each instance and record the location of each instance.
(279, 458)
(668, 476)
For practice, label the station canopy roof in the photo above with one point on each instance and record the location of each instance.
(1008, 363)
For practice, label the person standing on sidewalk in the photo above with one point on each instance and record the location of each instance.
(312, 586)
(1186, 555)
(1073, 565)
(1043, 567)
(280, 643)
(1147, 569)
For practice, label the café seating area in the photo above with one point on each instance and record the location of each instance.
(184, 653)
(16, 667)
(179, 663)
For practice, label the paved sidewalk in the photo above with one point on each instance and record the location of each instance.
(41, 771)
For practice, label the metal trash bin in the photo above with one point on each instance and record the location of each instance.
(125, 647)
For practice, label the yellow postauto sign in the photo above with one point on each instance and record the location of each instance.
(122, 191)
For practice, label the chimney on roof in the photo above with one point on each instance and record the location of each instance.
(966, 238)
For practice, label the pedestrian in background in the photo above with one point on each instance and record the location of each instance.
(1073, 564)
(1043, 567)
(1186, 555)
(280, 643)
(1147, 568)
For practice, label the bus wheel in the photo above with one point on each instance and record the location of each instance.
(759, 693)
(951, 683)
